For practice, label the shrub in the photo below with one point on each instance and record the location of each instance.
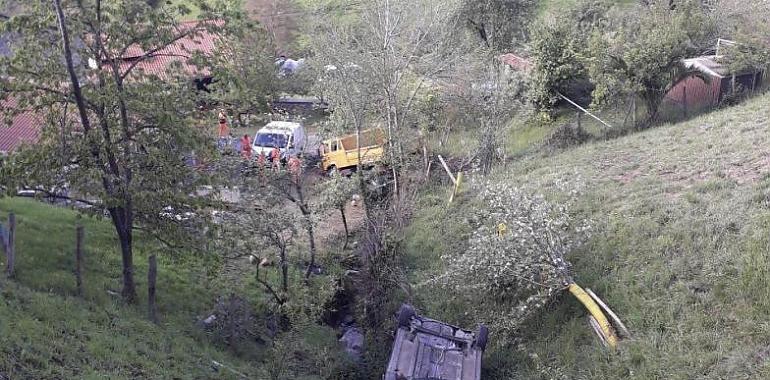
(234, 323)
(515, 262)
(566, 135)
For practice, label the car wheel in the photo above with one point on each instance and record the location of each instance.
(405, 314)
(481, 338)
(332, 171)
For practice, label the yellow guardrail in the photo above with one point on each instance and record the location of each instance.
(596, 312)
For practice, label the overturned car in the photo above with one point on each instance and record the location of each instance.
(426, 349)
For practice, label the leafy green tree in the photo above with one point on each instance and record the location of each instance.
(379, 63)
(556, 55)
(489, 97)
(497, 23)
(558, 46)
(640, 53)
(115, 136)
(244, 70)
(253, 227)
(744, 22)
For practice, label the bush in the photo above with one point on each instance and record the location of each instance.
(566, 135)
(234, 323)
(515, 262)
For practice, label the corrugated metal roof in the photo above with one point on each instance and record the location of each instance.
(708, 65)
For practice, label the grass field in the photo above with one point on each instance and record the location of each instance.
(48, 333)
(680, 250)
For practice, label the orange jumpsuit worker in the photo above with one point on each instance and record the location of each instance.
(246, 147)
(224, 130)
(275, 157)
(295, 167)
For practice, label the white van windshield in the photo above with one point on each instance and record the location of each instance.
(270, 140)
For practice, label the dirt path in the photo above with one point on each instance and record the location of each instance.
(331, 227)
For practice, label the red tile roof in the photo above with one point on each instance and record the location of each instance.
(515, 61)
(24, 128)
(180, 51)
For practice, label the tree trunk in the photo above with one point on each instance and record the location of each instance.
(310, 235)
(10, 253)
(125, 235)
(360, 172)
(74, 81)
(303, 207)
(152, 275)
(652, 101)
(79, 261)
(345, 223)
(284, 271)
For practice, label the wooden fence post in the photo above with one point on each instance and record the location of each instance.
(10, 253)
(152, 275)
(579, 126)
(79, 261)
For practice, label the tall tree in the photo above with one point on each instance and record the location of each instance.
(746, 23)
(244, 71)
(559, 45)
(116, 136)
(394, 50)
(489, 99)
(498, 24)
(640, 53)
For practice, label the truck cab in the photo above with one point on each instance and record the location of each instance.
(288, 137)
(340, 153)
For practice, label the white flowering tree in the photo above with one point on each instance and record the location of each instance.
(515, 260)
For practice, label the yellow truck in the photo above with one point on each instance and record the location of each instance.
(341, 153)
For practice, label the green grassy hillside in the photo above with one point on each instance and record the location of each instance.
(48, 333)
(680, 249)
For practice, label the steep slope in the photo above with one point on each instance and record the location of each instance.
(680, 249)
(48, 333)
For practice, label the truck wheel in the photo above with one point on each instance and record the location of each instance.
(481, 338)
(405, 314)
(332, 171)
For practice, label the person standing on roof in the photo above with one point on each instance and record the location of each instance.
(246, 147)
